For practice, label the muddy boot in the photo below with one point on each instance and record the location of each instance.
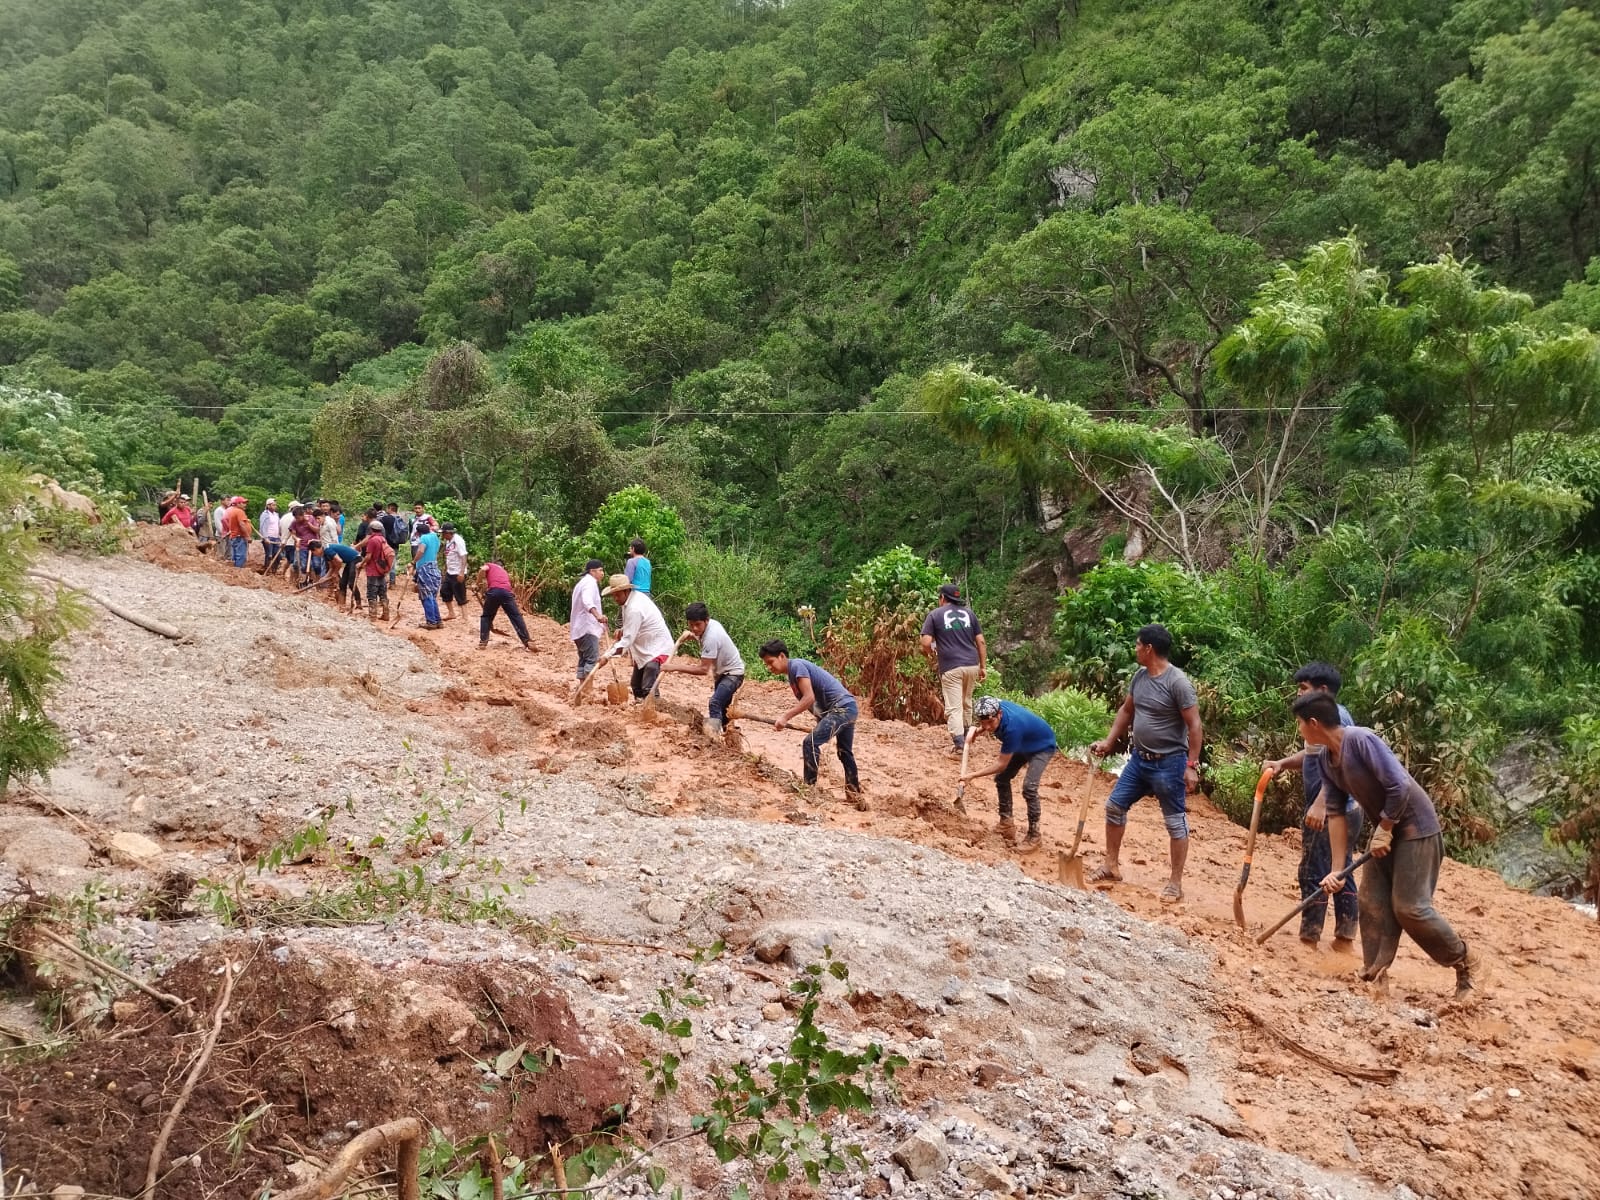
(712, 728)
(383, 613)
(856, 797)
(1472, 975)
(1007, 829)
(1033, 842)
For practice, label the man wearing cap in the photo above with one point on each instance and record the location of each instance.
(425, 571)
(1026, 740)
(217, 531)
(455, 570)
(953, 640)
(588, 619)
(719, 658)
(271, 536)
(237, 529)
(644, 637)
(497, 596)
(179, 513)
(303, 528)
(830, 703)
(377, 561)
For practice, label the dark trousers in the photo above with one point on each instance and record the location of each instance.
(455, 590)
(588, 648)
(722, 696)
(347, 580)
(1316, 861)
(493, 601)
(839, 725)
(1396, 896)
(644, 679)
(1036, 763)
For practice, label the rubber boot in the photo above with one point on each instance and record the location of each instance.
(1008, 831)
(856, 797)
(712, 728)
(383, 613)
(1472, 975)
(1033, 842)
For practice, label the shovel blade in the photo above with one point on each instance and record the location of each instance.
(1069, 871)
(1238, 908)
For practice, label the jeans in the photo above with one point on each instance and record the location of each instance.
(378, 590)
(955, 689)
(347, 579)
(588, 648)
(838, 724)
(645, 678)
(493, 601)
(1159, 777)
(238, 550)
(1396, 896)
(722, 696)
(1316, 861)
(271, 552)
(303, 563)
(427, 577)
(1036, 763)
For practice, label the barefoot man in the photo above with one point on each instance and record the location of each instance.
(1164, 715)
(1407, 847)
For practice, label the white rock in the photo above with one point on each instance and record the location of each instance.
(999, 989)
(1047, 972)
(663, 910)
(130, 849)
(923, 1154)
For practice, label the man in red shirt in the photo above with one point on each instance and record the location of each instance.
(497, 597)
(377, 558)
(236, 528)
(180, 514)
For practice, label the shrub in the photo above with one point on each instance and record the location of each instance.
(742, 591)
(1077, 717)
(1579, 787)
(543, 560)
(873, 638)
(637, 512)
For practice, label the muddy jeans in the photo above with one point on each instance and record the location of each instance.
(955, 690)
(1396, 896)
(1036, 763)
(588, 648)
(1316, 861)
(838, 724)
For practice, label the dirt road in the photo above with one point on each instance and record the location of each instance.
(1498, 1100)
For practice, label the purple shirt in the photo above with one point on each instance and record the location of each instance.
(1368, 772)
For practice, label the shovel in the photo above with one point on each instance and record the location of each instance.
(400, 598)
(1250, 849)
(1311, 899)
(961, 787)
(1069, 867)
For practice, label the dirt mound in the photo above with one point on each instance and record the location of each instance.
(315, 1046)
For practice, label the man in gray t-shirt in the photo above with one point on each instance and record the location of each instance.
(953, 640)
(719, 658)
(1163, 715)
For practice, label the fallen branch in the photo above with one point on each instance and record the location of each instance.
(166, 999)
(200, 1061)
(407, 1131)
(116, 610)
(1371, 1074)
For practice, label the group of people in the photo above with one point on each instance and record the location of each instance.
(1351, 777)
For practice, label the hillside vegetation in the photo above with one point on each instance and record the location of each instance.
(835, 275)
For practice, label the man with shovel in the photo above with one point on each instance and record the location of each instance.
(1163, 715)
(1407, 848)
(644, 636)
(1315, 855)
(719, 658)
(1026, 740)
(833, 706)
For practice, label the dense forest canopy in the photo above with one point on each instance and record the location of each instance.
(1297, 297)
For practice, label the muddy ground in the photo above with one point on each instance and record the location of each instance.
(1097, 1044)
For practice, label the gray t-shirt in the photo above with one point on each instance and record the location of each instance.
(718, 646)
(1158, 704)
(954, 630)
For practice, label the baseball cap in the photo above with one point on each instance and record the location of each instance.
(950, 591)
(592, 564)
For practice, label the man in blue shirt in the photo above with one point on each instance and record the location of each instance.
(1026, 740)
(425, 572)
(1316, 856)
(835, 708)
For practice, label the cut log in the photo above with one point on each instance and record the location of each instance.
(116, 610)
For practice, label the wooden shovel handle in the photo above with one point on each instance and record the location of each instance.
(961, 785)
(1083, 815)
(1255, 821)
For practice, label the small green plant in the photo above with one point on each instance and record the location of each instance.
(542, 558)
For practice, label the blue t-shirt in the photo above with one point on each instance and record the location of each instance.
(829, 693)
(345, 554)
(637, 569)
(1311, 768)
(427, 549)
(1022, 731)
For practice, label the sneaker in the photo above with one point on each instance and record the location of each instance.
(1472, 975)
(432, 625)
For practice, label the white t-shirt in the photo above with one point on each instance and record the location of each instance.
(271, 525)
(330, 530)
(644, 630)
(455, 555)
(718, 646)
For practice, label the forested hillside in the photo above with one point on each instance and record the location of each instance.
(834, 275)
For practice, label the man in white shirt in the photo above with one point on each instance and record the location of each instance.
(644, 637)
(719, 658)
(454, 592)
(588, 622)
(271, 536)
(329, 533)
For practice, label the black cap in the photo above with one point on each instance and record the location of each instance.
(950, 592)
(447, 527)
(592, 564)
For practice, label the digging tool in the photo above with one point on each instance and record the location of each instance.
(583, 684)
(1311, 899)
(961, 787)
(400, 599)
(1069, 867)
(1250, 848)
